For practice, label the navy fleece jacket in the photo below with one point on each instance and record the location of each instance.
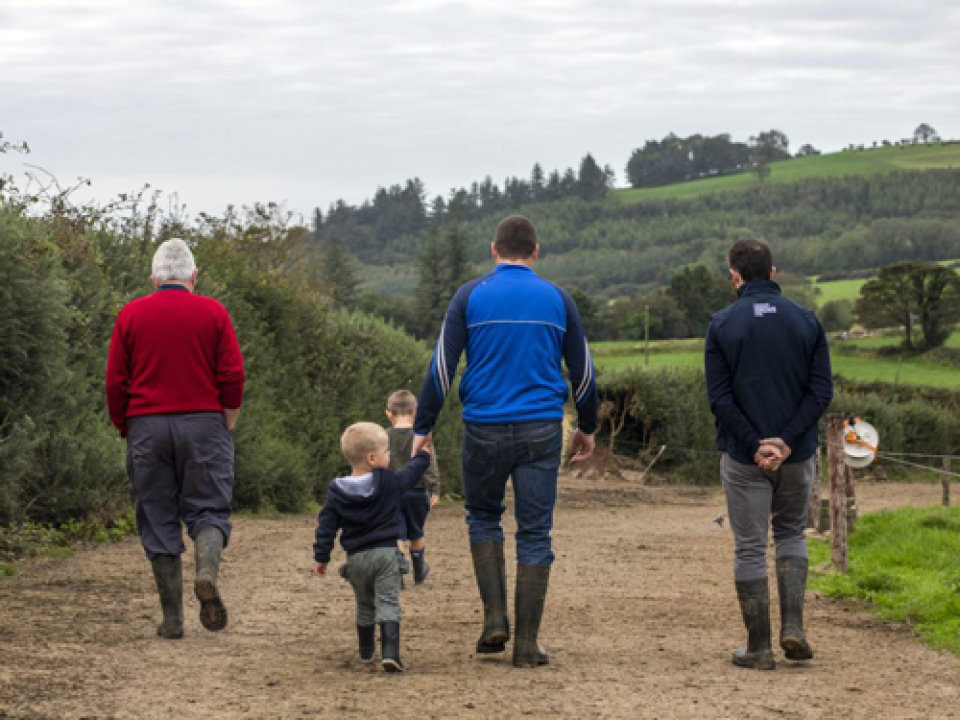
(366, 509)
(768, 373)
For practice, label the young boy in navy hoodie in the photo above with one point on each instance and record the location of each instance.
(364, 506)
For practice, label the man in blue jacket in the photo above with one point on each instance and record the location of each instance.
(516, 330)
(768, 380)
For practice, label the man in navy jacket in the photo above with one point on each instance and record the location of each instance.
(517, 330)
(768, 380)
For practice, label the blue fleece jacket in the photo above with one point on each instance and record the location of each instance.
(366, 509)
(768, 373)
(517, 330)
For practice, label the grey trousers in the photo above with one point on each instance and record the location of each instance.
(181, 468)
(755, 499)
(375, 577)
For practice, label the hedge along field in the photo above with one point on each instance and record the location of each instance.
(668, 406)
(609, 357)
(312, 370)
(842, 164)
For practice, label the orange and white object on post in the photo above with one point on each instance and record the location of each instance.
(860, 442)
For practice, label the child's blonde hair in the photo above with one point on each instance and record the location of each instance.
(402, 402)
(361, 439)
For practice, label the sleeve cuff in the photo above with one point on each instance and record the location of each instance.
(231, 397)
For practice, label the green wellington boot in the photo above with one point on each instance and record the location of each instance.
(754, 596)
(168, 572)
(209, 546)
(532, 584)
(491, 572)
(792, 582)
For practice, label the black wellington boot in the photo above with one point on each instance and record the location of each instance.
(421, 569)
(754, 596)
(532, 584)
(390, 647)
(490, 569)
(208, 546)
(168, 572)
(792, 582)
(367, 640)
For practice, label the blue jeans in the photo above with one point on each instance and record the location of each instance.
(530, 452)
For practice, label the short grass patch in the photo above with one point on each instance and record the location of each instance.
(906, 564)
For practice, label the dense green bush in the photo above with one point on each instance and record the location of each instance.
(312, 369)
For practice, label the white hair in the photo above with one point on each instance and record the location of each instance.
(173, 261)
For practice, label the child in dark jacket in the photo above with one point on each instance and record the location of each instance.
(363, 507)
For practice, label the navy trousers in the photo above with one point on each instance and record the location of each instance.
(181, 468)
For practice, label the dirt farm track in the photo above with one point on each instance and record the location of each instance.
(640, 620)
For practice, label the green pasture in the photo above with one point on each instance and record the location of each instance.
(868, 162)
(680, 354)
(906, 564)
(838, 290)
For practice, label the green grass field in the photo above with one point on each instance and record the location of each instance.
(906, 564)
(868, 162)
(688, 354)
(838, 290)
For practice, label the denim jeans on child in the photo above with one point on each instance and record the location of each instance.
(530, 453)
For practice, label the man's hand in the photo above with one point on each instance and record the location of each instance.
(772, 453)
(582, 445)
(434, 499)
(422, 442)
(230, 418)
(320, 570)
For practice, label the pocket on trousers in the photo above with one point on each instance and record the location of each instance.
(545, 447)
(479, 456)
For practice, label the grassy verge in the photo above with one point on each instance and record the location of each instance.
(906, 565)
(46, 541)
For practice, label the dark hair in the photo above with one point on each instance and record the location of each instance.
(402, 402)
(516, 238)
(752, 259)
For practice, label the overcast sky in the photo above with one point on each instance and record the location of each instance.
(309, 101)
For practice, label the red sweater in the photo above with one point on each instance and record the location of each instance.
(173, 352)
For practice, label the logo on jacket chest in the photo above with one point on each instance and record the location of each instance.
(761, 309)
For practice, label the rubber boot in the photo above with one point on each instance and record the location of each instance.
(792, 582)
(168, 572)
(390, 647)
(421, 569)
(367, 641)
(754, 596)
(532, 584)
(490, 569)
(208, 546)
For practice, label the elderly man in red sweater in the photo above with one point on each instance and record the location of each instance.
(174, 389)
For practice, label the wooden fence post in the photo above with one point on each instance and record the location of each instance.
(838, 492)
(945, 481)
(813, 514)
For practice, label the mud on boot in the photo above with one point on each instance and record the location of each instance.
(366, 637)
(390, 647)
(490, 568)
(531, 595)
(792, 584)
(754, 597)
(168, 573)
(209, 546)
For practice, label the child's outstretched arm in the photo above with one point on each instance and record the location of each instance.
(411, 474)
(328, 523)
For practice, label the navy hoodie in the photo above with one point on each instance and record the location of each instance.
(366, 509)
(768, 373)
